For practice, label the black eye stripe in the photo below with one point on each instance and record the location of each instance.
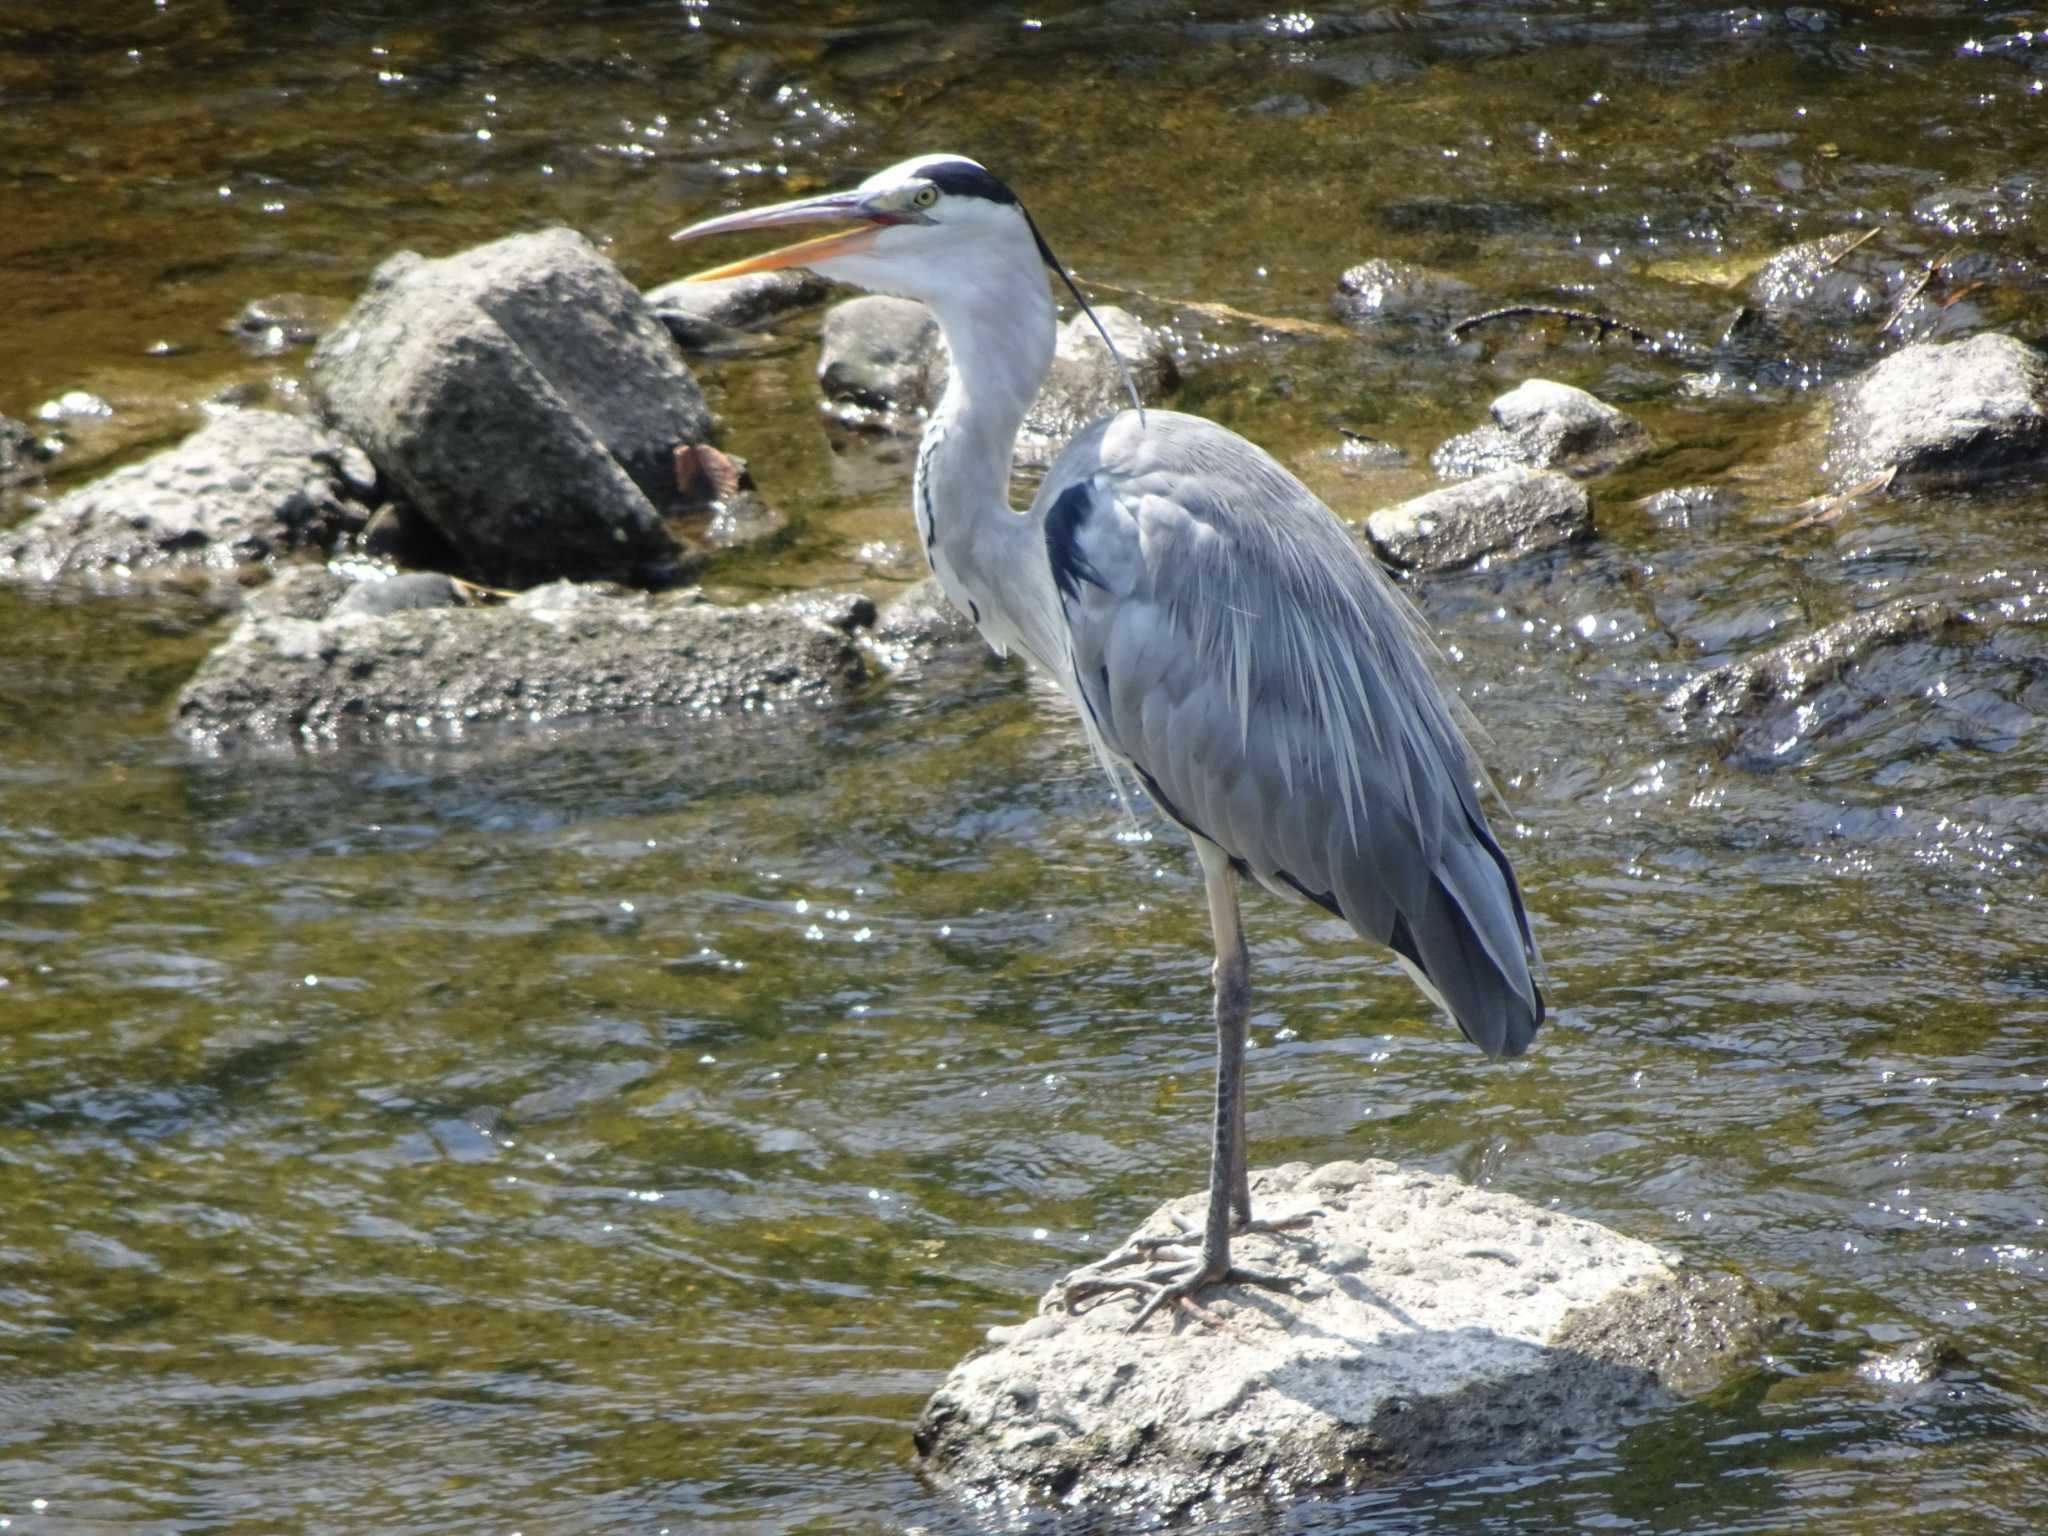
(963, 178)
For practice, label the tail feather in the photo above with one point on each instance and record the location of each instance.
(1496, 1005)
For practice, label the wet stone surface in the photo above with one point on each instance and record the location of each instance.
(1508, 513)
(1541, 424)
(1750, 695)
(1383, 292)
(1427, 1326)
(248, 487)
(1953, 411)
(406, 658)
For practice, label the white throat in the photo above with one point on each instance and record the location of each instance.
(1000, 334)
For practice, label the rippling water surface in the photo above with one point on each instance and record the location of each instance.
(623, 1129)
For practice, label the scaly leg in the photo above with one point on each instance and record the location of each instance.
(1229, 1188)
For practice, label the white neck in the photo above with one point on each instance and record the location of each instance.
(1000, 333)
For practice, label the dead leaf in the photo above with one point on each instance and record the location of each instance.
(705, 474)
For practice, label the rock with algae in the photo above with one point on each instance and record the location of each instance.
(1430, 1325)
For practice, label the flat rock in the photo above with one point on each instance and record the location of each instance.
(247, 487)
(313, 661)
(526, 402)
(1430, 1326)
(1509, 513)
(1542, 424)
(1944, 411)
(883, 364)
(1786, 673)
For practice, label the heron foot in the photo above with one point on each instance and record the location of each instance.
(1167, 1284)
(1145, 1249)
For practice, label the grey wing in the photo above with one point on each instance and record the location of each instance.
(1234, 647)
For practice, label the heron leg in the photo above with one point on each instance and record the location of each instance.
(1229, 1180)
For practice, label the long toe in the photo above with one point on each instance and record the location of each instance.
(1167, 1284)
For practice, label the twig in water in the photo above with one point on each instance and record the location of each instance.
(1226, 312)
(1604, 323)
(1912, 294)
(1828, 508)
(1856, 244)
(477, 592)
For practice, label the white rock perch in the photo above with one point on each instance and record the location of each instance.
(1430, 1325)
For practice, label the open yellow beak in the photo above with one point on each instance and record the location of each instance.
(833, 207)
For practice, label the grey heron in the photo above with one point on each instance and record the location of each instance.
(1224, 639)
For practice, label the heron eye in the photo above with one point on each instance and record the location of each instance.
(924, 197)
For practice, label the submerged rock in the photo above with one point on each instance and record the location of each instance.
(1541, 424)
(526, 402)
(23, 452)
(1430, 1326)
(407, 656)
(1381, 292)
(246, 488)
(1511, 512)
(1789, 672)
(282, 321)
(1807, 283)
(1946, 411)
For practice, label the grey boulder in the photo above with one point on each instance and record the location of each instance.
(1509, 513)
(1944, 412)
(246, 488)
(1429, 1326)
(526, 402)
(315, 660)
(1541, 424)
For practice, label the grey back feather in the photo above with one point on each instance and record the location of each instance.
(1229, 642)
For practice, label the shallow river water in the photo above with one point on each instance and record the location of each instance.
(623, 1129)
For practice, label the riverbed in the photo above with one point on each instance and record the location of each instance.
(622, 1128)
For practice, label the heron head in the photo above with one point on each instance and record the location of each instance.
(937, 228)
(918, 228)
